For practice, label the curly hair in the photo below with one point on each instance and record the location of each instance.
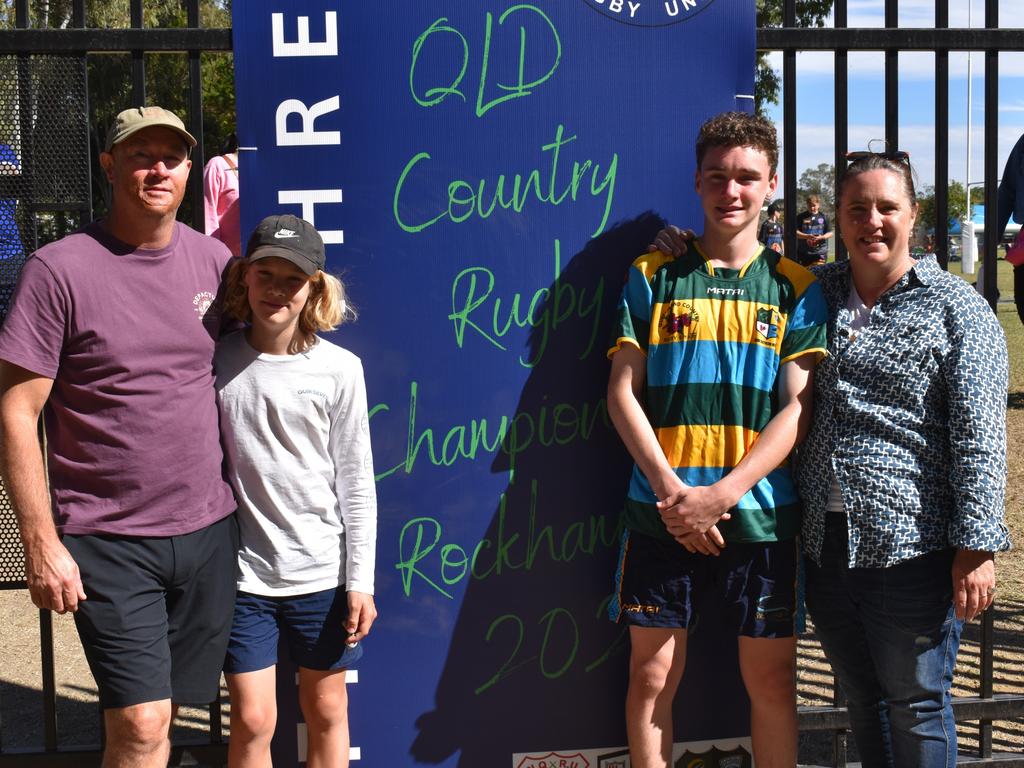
(326, 308)
(739, 129)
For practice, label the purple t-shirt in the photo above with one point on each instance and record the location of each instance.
(128, 336)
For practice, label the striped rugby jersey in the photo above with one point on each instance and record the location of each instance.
(714, 340)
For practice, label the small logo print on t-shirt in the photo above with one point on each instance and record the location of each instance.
(202, 303)
(313, 392)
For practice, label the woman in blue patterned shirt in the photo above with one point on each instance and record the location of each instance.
(903, 472)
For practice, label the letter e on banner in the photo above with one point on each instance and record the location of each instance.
(303, 47)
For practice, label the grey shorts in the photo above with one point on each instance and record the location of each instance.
(157, 616)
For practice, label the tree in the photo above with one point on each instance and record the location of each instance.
(809, 13)
(956, 201)
(820, 181)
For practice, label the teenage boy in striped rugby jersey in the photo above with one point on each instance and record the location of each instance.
(710, 390)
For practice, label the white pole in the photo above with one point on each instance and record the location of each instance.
(970, 83)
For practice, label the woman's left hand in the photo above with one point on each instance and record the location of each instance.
(974, 582)
(361, 614)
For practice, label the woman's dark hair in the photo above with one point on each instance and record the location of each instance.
(879, 162)
(230, 144)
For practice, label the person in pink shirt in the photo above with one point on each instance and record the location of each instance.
(220, 197)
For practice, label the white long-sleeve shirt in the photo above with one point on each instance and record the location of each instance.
(297, 441)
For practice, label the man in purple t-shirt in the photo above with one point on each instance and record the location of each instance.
(111, 337)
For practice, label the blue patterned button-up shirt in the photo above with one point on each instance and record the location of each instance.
(910, 416)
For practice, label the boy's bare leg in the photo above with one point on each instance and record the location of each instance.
(138, 736)
(656, 665)
(768, 667)
(253, 717)
(324, 702)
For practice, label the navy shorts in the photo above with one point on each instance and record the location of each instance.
(155, 621)
(313, 627)
(750, 588)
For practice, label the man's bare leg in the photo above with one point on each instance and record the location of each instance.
(138, 736)
(656, 665)
(768, 666)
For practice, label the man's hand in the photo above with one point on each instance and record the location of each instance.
(695, 510)
(672, 240)
(362, 612)
(974, 582)
(52, 575)
(710, 543)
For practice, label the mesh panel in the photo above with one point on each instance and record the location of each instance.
(44, 192)
(44, 157)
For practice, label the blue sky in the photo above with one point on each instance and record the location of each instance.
(917, 93)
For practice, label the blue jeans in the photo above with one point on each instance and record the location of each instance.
(891, 637)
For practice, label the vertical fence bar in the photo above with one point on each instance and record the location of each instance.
(992, 294)
(49, 681)
(842, 137)
(789, 129)
(138, 59)
(78, 21)
(892, 81)
(991, 177)
(842, 142)
(195, 114)
(942, 140)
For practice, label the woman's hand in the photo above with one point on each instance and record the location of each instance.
(974, 582)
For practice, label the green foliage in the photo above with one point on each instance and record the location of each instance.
(820, 181)
(809, 13)
(956, 201)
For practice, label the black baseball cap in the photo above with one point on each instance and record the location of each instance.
(288, 237)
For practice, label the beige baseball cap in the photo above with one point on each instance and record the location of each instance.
(135, 119)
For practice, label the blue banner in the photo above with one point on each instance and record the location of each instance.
(483, 174)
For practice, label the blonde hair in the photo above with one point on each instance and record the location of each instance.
(326, 308)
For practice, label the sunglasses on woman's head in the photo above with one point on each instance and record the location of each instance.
(898, 156)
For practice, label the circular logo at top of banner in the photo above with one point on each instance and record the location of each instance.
(649, 13)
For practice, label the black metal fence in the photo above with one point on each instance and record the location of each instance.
(45, 157)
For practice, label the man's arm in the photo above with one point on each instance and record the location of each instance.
(694, 510)
(51, 572)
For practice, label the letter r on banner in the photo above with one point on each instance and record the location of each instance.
(307, 198)
(329, 46)
(307, 136)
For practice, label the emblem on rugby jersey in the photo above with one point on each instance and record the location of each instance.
(679, 318)
(767, 323)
